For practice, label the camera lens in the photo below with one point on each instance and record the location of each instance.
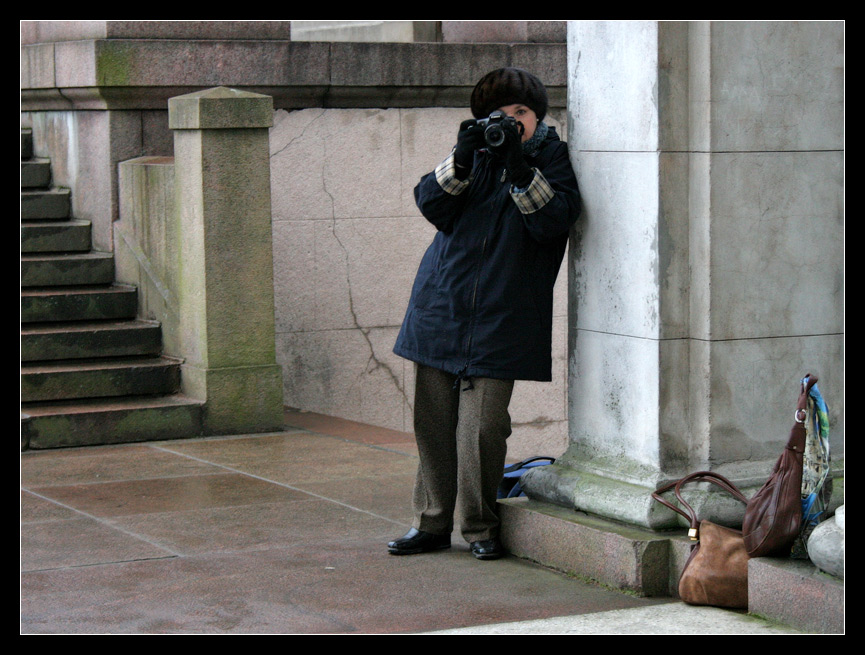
(494, 135)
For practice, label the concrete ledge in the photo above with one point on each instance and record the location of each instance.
(46, 31)
(614, 554)
(797, 593)
(143, 74)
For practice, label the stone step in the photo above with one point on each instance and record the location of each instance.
(86, 340)
(796, 593)
(91, 372)
(35, 173)
(90, 303)
(70, 235)
(106, 421)
(67, 380)
(649, 563)
(45, 270)
(45, 204)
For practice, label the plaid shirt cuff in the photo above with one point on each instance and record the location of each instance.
(535, 196)
(447, 179)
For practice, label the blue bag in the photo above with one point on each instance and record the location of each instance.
(510, 486)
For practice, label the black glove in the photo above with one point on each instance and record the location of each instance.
(469, 138)
(511, 153)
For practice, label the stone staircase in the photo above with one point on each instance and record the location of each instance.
(91, 371)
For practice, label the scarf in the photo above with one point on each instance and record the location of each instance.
(531, 147)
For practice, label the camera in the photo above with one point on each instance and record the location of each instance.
(494, 133)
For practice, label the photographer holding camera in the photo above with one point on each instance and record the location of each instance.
(480, 314)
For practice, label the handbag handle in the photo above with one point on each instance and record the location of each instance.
(691, 515)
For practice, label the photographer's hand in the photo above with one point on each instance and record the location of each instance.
(469, 138)
(519, 172)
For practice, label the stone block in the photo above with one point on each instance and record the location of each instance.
(426, 138)
(748, 400)
(144, 73)
(630, 268)
(774, 256)
(345, 274)
(365, 269)
(617, 383)
(346, 373)
(414, 64)
(619, 64)
(769, 96)
(796, 593)
(295, 291)
(336, 164)
(386, 31)
(612, 554)
(511, 31)
(37, 66)
(484, 31)
(548, 61)
(146, 248)
(226, 316)
(156, 138)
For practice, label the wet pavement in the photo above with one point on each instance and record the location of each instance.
(284, 533)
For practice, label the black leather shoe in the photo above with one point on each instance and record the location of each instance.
(416, 541)
(487, 549)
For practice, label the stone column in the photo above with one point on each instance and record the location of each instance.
(225, 295)
(706, 275)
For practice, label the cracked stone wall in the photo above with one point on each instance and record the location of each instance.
(347, 242)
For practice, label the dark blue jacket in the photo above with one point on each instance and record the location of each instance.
(482, 301)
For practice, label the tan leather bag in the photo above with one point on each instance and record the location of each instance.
(716, 572)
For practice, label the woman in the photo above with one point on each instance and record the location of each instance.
(480, 314)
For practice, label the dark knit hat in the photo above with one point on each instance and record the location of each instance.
(508, 86)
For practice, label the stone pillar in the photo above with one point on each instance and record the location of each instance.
(706, 275)
(225, 294)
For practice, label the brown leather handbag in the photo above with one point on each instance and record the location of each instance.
(716, 572)
(773, 516)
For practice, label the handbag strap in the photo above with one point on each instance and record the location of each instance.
(807, 382)
(796, 441)
(526, 462)
(689, 513)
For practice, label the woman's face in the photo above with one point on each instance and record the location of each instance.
(524, 116)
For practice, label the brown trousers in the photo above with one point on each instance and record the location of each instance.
(461, 431)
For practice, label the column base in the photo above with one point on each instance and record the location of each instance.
(241, 399)
(627, 501)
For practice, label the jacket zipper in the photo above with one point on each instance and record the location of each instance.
(474, 307)
(474, 302)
